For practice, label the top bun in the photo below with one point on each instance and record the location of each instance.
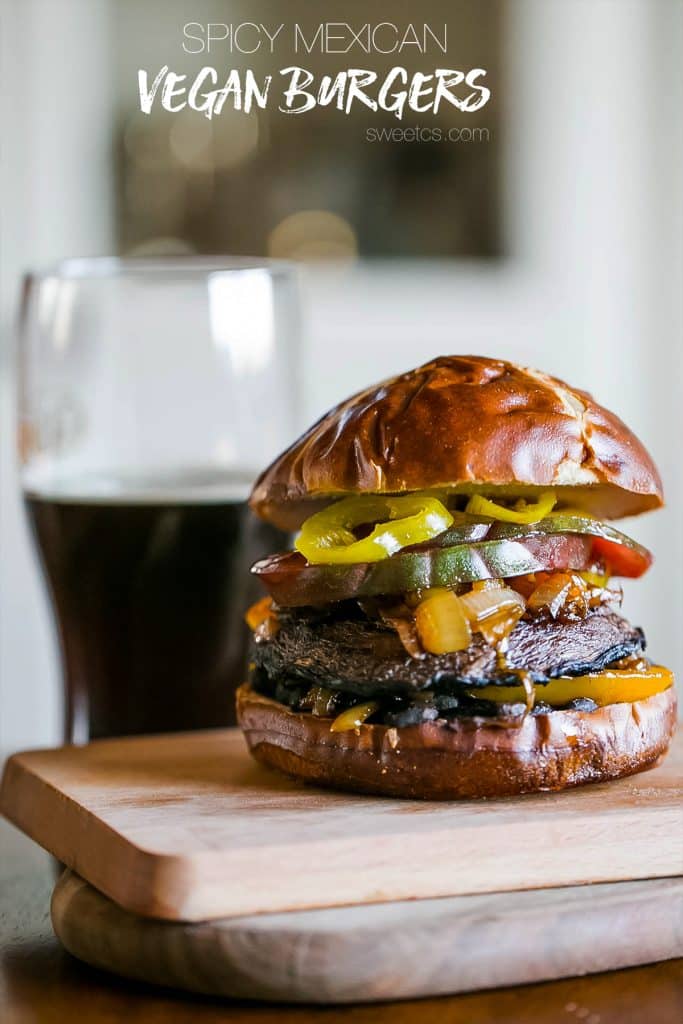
(463, 423)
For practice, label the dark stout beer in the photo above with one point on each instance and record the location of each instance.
(149, 586)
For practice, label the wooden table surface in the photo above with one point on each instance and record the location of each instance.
(39, 982)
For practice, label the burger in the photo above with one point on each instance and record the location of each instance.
(448, 624)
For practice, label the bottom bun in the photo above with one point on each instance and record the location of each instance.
(465, 758)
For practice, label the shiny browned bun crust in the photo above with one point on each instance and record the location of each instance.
(463, 422)
(469, 758)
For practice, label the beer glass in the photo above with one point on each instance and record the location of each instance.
(151, 393)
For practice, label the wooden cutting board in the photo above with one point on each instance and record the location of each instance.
(385, 951)
(188, 828)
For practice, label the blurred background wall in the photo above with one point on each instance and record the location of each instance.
(555, 239)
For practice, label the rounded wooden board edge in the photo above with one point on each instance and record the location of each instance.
(379, 952)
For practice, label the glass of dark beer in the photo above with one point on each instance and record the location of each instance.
(150, 395)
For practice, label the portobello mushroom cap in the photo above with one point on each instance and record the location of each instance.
(367, 658)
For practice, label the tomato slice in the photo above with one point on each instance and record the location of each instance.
(622, 560)
(292, 581)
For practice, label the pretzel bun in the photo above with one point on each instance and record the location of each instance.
(466, 758)
(463, 423)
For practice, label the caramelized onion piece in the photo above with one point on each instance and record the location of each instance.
(406, 628)
(529, 690)
(320, 701)
(526, 584)
(262, 619)
(442, 625)
(493, 584)
(561, 593)
(258, 612)
(400, 618)
(354, 717)
(493, 611)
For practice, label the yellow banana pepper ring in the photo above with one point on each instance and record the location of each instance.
(327, 537)
(523, 513)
